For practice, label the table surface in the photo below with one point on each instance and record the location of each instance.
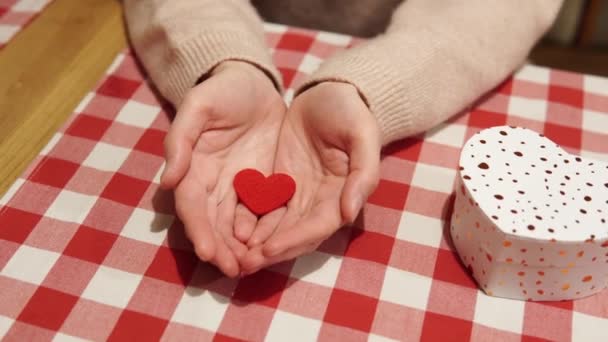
(90, 247)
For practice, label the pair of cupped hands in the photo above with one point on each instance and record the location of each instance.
(327, 140)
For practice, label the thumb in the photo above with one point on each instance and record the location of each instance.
(178, 154)
(364, 173)
(180, 140)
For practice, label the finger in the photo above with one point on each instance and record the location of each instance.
(184, 132)
(316, 226)
(224, 259)
(191, 207)
(244, 223)
(257, 260)
(225, 224)
(363, 176)
(266, 226)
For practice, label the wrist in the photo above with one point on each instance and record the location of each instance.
(243, 66)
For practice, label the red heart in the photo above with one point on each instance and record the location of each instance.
(263, 194)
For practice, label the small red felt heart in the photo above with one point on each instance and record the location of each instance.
(263, 194)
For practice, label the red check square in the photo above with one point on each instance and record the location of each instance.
(564, 136)
(124, 189)
(54, 172)
(288, 75)
(264, 287)
(486, 119)
(351, 310)
(566, 95)
(118, 87)
(389, 194)
(48, 308)
(16, 225)
(152, 142)
(408, 149)
(135, 326)
(449, 269)
(370, 246)
(438, 327)
(295, 41)
(173, 265)
(90, 244)
(88, 127)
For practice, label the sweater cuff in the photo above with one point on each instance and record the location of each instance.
(193, 58)
(386, 88)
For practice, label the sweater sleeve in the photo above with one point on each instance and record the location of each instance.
(180, 41)
(437, 57)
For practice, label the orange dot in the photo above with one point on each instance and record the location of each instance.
(580, 254)
(509, 260)
(565, 287)
(490, 293)
(521, 273)
(540, 292)
(562, 253)
(541, 273)
(571, 265)
(565, 271)
(587, 279)
(507, 243)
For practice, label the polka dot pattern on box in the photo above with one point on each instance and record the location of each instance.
(531, 220)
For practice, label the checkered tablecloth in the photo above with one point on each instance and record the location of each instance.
(90, 247)
(15, 15)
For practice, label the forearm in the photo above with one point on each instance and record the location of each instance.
(437, 57)
(180, 41)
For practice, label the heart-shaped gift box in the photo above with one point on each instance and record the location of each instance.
(530, 220)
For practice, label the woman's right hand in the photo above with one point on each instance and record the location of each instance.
(229, 122)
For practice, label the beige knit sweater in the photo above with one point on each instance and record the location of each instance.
(434, 59)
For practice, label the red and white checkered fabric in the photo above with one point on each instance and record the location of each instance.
(15, 15)
(90, 247)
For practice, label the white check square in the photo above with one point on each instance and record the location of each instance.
(588, 328)
(112, 287)
(434, 178)
(7, 32)
(275, 28)
(147, 226)
(106, 157)
(5, 325)
(137, 114)
(533, 73)
(499, 313)
(420, 229)
(201, 308)
(52, 142)
(30, 5)
(378, 338)
(286, 326)
(334, 38)
(70, 206)
(406, 288)
(317, 268)
(596, 84)
(532, 109)
(11, 191)
(85, 102)
(309, 64)
(595, 121)
(61, 337)
(30, 264)
(447, 134)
